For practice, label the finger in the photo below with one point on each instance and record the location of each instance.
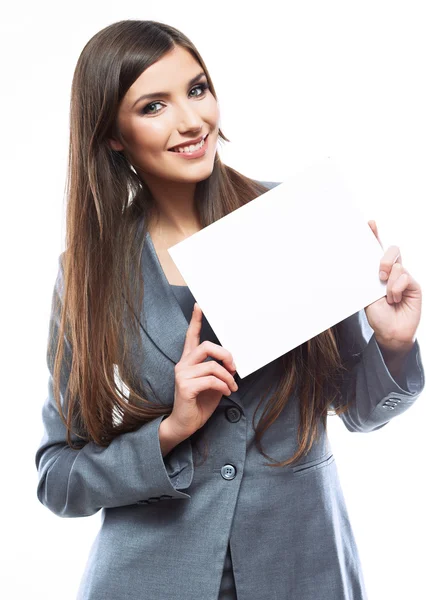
(396, 271)
(192, 337)
(373, 227)
(390, 257)
(219, 353)
(399, 286)
(212, 367)
(210, 382)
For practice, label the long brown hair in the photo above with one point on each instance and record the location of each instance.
(106, 203)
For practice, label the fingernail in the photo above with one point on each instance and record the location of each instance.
(233, 366)
(383, 275)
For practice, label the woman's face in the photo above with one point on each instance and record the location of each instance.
(151, 126)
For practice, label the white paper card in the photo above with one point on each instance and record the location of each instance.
(283, 268)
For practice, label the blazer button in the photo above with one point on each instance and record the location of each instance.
(390, 404)
(233, 414)
(228, 471)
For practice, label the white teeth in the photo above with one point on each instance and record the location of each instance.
(190, 148)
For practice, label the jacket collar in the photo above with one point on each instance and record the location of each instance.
(162, 317)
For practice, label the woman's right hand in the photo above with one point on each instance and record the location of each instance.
(199, 385)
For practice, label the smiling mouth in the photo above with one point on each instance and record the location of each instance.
(180, 149)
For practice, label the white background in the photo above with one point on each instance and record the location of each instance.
(295, 80)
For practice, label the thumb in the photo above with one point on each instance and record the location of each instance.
(373, 227)
(192, 338)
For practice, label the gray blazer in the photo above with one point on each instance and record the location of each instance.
(166, 521)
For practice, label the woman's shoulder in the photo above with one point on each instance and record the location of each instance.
(268, 184)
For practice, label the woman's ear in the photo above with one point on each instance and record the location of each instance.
(115, 145)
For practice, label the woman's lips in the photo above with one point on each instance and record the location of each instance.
(196, 154)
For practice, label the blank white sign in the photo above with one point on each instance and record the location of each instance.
(283, 268)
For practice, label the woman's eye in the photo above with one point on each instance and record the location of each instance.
(202, 86)
(146, 109)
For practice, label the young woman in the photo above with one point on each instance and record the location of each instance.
(146, 418)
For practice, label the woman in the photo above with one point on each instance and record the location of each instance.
(146, 417)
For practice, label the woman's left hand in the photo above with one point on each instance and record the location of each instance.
(395, 317)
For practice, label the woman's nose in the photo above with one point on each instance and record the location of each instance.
(189, 118)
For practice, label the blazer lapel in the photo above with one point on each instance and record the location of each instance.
(162, 317)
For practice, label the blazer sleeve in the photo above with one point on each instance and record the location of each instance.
(131, 470)
(374, 396)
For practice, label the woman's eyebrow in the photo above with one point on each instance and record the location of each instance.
(167, 94)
